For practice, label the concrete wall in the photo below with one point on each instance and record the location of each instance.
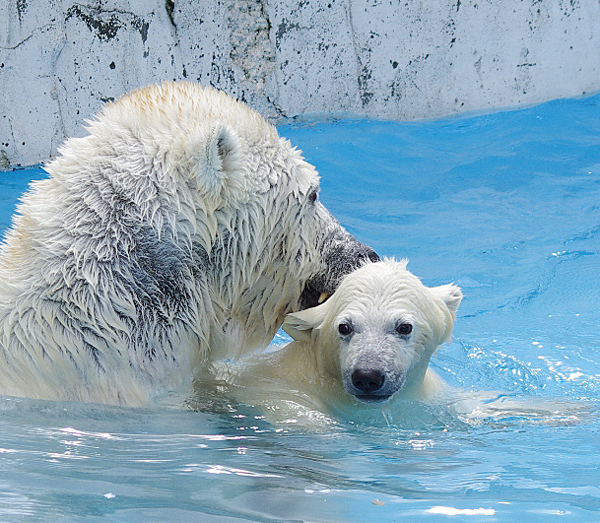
(61, 60)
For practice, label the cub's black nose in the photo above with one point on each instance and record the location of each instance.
(367, 381)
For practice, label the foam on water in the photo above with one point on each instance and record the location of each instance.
(507, 206)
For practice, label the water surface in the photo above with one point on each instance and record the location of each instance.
(507, 206)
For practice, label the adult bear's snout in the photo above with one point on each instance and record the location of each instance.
(345, 258)
(370, 254)
(342, 254)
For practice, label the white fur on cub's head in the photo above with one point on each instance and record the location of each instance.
(378, 331)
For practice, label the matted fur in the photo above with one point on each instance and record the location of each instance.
(180, 229)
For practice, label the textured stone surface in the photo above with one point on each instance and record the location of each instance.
(60, 60)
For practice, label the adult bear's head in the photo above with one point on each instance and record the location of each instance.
(244, 199)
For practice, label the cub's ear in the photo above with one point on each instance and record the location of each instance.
(304, 325)
(451, 296)
(214, 157)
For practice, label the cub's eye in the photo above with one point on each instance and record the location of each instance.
(404, 329)
(313, 196)
(345, 328)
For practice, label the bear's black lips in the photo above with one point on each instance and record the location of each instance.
(310, 296)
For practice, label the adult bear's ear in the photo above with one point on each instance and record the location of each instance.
(304, 325)
(214, 157)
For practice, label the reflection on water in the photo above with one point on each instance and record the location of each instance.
(505, 205)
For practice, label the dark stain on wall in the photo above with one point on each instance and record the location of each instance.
(106, 24)
(21, 9)
(170, 7)
(105, 27)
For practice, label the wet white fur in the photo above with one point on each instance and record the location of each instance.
(168, 175)
(313, 370)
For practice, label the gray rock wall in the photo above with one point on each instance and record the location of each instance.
(61, 60)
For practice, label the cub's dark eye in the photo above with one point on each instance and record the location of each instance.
(345, 328)
(404, 329)
(313, 196)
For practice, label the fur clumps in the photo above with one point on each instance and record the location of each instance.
(179, 230)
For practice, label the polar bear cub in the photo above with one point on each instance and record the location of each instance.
(368, 344)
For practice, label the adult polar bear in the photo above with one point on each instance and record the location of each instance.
(182, 228)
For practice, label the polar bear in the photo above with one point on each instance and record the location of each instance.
(181, 229)
(367, 347)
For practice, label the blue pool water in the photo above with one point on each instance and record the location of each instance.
(506, 205)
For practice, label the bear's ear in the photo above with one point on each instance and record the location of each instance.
(216, 161)
(304, 325)
(451, 296)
